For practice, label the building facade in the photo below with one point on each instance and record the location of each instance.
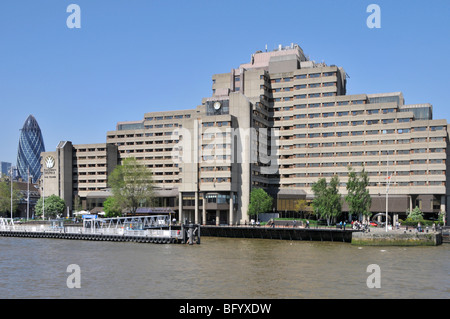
(5, 169)
(281, 122)
(78, 173)
(31, 145)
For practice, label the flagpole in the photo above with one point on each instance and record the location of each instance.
(11, 171)
(388, 181)
(28, 194)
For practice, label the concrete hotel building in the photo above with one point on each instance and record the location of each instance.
(281, 122)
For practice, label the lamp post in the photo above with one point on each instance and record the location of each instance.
(43, 194)
(11, 173)
(28, 193)
(388, 183)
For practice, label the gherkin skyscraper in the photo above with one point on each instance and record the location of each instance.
(31, 144)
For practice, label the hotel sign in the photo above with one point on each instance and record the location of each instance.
(49, 170)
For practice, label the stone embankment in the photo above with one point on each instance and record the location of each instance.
(379, 237)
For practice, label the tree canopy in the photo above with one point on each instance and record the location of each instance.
(327, 200)
(132, 185)
(112, 207)
(5, 196)
(54, 205)
(358, 197)
(260, 202)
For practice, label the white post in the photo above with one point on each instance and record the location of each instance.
(43, 193)
(387, 191)
(11, 170)
(28, 193)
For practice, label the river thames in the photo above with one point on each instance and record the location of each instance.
(220, 268)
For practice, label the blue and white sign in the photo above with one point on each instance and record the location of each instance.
(91, 216)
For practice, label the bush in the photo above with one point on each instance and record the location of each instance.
(414, 223)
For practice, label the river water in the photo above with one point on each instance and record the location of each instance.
(220, 268)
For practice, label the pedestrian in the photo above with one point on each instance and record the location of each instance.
(345, 223)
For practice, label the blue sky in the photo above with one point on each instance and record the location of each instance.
(132, 57)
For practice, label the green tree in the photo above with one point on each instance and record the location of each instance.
(301, 206)
(5, 197)
(54, 205)
(260, 202)
(112, 208)
(416, 214)
(132, 185)
(77, 203)
(327, 201)
(358, 197)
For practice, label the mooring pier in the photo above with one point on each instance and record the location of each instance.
(140, 229)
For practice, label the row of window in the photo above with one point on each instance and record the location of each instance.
(168, 117)
(330, 104)
(89, 150)
(300, 76)
(365, 153)
(373, 174)
(375, 184)
(347, 133)
(368, 163)
(301, 96)
(300, 86)
(359, 143)
(216, 180)
(93, 181)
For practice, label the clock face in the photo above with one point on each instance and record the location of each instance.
(217, 105)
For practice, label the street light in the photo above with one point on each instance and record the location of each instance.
(11, 172)
(388, 183)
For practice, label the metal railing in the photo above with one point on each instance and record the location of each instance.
(157, 233)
